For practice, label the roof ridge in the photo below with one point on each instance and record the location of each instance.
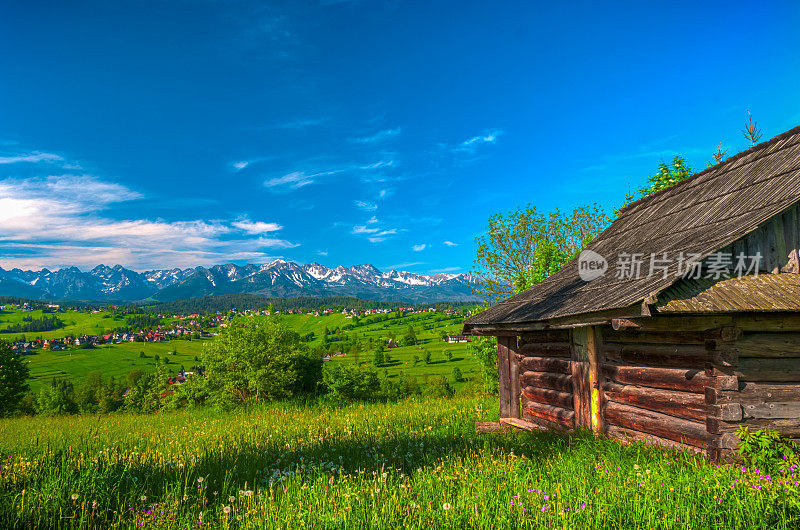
(794, 130)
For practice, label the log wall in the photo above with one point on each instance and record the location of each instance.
(689, 387)
(546, 380)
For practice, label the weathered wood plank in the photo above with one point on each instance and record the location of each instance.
(655, 337)
(780, 409)
(657, 424)
(523, 424)
(775, 370)
(489, 426)
(687, 405)
(561, 335)
(553, 381)
(683, 355)
(668, 378)
(759, 393)
(544, 364)
(549, 413)
(629, 436)
(778, 345)
(764, 322)
(504, 376)
(596, 358)
(726, 411)
(547, 397)
(546, 349)
(786, 427)
(515, 385)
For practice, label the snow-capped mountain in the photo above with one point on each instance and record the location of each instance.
(276, 279)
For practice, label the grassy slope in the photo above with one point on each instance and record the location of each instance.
(118, 359)
(402, 358)
(413, 464)
(76, 324)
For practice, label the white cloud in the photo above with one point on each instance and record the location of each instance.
(32, 157)
(57, 221)
(257, 227)
(372, 220)
(450, 244)
(323, 253)
(361, 229)
(384, 193)
(240, 165)
(417, 248)
(366, 206)
(298, 179)
(471, 144)
(380, 136)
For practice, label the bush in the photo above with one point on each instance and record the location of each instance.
(438, 386)
(457, 375)
(766, 450)
(255, 360)
(348, 382)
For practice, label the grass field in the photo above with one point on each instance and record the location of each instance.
(402, 358)
(116, 360)
(77, 323)
(414, 464)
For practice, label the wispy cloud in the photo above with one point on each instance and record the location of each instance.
(400, 266)
(299, 179)
(323, 253)
(366, 206)
(380, 136)
(238, 166)
(375, 234)
(31, 157)
(470, 145)
(446, 269)
(418, 248)
(257, 227)
(450, 244)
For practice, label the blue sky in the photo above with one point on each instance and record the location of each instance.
(177, 134)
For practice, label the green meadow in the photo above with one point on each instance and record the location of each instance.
(413, 464)
(76, 323)
(116, 360)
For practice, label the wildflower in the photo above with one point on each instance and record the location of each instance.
(200, 480)
(446, 506)
(226, 509)
(74, 496)
(635, 466)
(144, 498)
(231, 498)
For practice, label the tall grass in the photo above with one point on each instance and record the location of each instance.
(414, 464)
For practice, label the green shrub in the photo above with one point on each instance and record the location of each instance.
(766, 450)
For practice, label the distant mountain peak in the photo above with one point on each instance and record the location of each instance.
(278, 278)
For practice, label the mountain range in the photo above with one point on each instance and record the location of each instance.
(276, 279)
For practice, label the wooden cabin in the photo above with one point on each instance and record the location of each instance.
(671, 356)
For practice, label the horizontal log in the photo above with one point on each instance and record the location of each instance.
(489, 426)
(543, 364)
(786, 427)
(547, 397)
(682, 355)
(668, 378)
(784, 410)
(684, 324)
(658, 337)
(775, 370)
(553, 381)
(550, 414)
(779, 345)
(630, 436)
(687, 405)
(768, 322)
(545, 349)
(545, 336)
(752, 392)
(657, 424)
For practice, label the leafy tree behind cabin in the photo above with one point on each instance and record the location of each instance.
(14, 374)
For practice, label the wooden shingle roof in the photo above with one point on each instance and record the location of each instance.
(700, 215)
(760, 294)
